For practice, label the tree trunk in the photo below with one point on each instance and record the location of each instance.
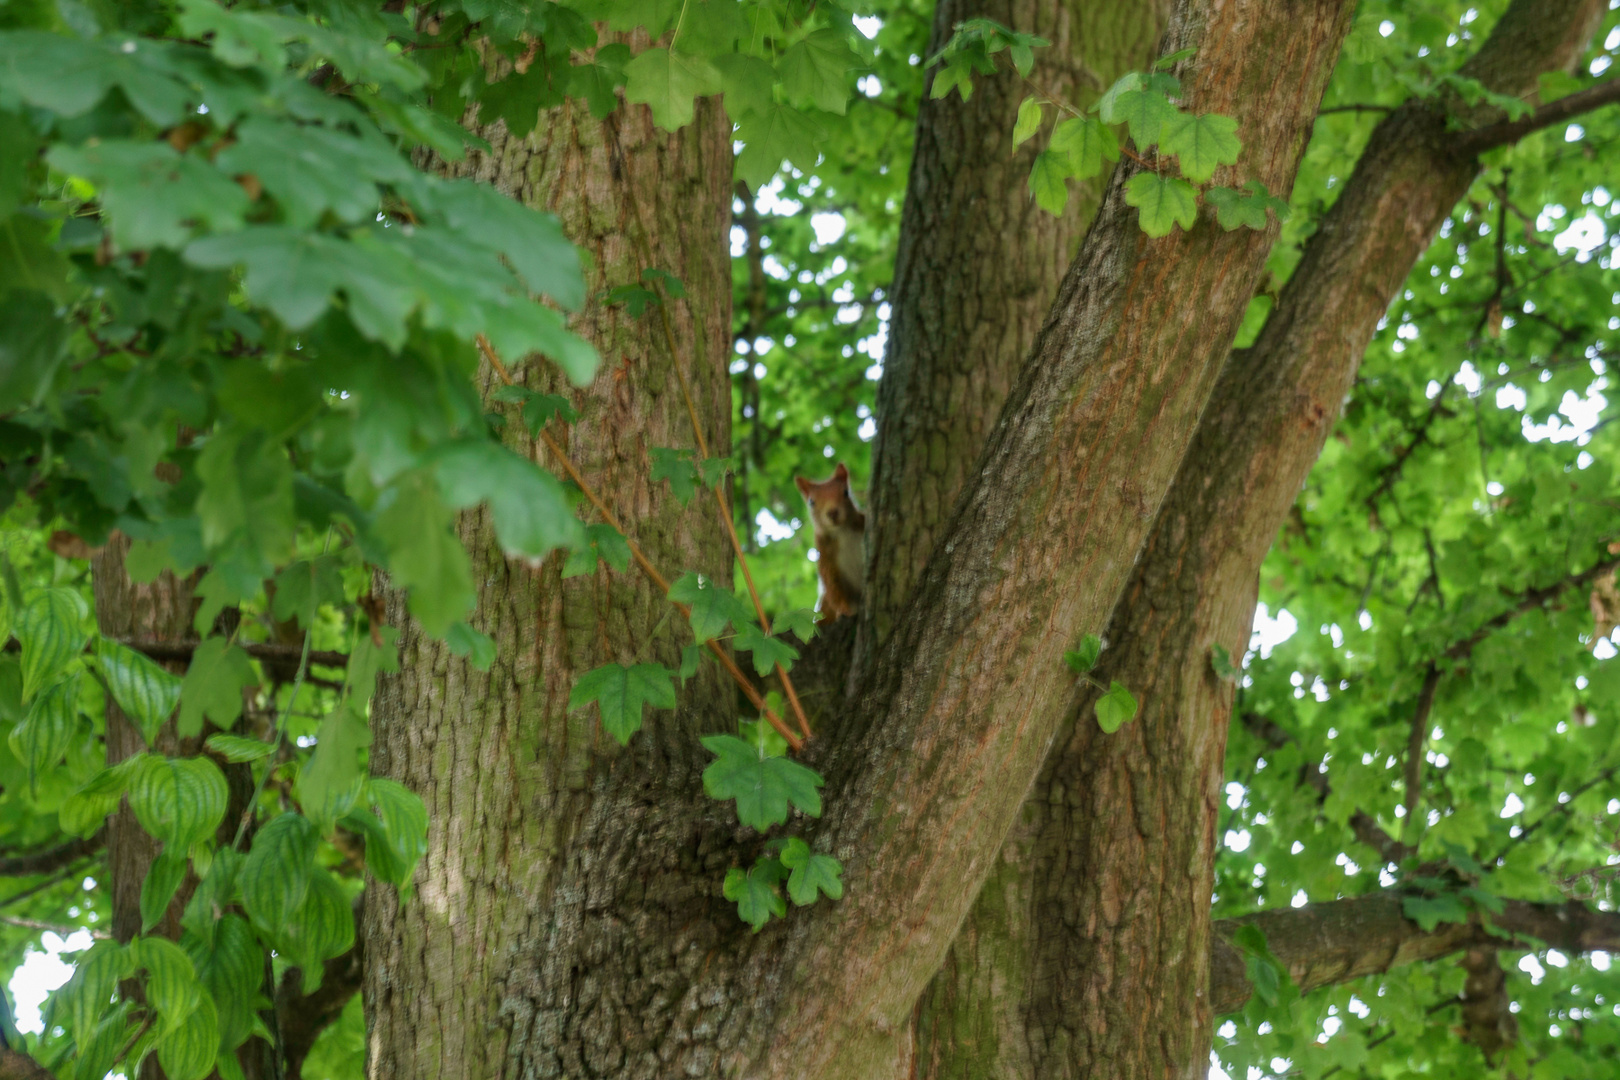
(548, 932)
(977, 267)
(1087, 954)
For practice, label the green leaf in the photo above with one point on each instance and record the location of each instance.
(188, 1051)
(597, 82)
(323, 928)
(1430, 911)
(1146, 112)
(761, 735)
(812, 873)
(479, 648)
(690, 656)
(531, 513)
(540, 408)
(666, 82)
(755, 892)
(238, 38)
(180, 801)
(767, 650)
(1108, 105)
(605, 542)
(1084, 658)
(1028, 122)
(1201, 143)
(172, 988)
(399, 840)
(84, 811)
(236, 749)
(813, 71)
(50, 628)
(153, 196)
(746, 82)
(1236, 209)
(763, 787)
(147, 694)
(163, 877)
(246, 506)
(1115, 708)
(231, 967)
(31, 350)
(213, 686)
(48, 729)
(424, 556)
(800, 622)
(675, 465)
(331, 782)
(1087, 142)
(275, 878)
(304, 586)
(313, 170)
(1170, 60)
(1164, 202)
(773, 134)
(958, 74)
(1220, 661)
(84, 999)
(620, 691)
(1048, 181)
(712, 607)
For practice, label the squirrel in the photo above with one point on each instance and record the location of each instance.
(840, 531)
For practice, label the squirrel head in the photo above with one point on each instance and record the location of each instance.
(830, 501)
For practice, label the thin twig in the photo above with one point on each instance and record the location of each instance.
(1554, 112)
(1415, 743)
(55, 928)
(703, 450)
(641, 559)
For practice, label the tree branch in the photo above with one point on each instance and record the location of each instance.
(302, 1017)
(1362, 824)
(1416, 740)
(1529, 601)
(1330, 943)
(1554, 112)
(52, 859)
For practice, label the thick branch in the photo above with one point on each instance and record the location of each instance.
(1417, 739)
(1554, 112)
(1330, 943)
(52, 859)
(302, 1017)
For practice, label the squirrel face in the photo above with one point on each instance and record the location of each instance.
(831, 504)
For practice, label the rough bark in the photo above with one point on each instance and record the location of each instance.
(966, 695)
(560, 909)
(1093, 930)
(976, 270)
(1334, 942)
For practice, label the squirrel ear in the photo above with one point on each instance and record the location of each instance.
(840, 473)
(804, 485)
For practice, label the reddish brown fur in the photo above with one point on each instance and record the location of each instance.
(840, 529)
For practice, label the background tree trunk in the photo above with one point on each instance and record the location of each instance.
(515, 957)
(977, 268)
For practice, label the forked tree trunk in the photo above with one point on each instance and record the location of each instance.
(1088, 952)
(567, 920)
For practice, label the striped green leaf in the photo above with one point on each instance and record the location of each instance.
(178, 800)
(172, 987)
(99, 1047)
(275, 879)
(163, 877)
(51, 629)
(231, 965)
(49, 728)
(237, 748)
(85, 998)
(188, 1052)
(85, 810)
(214, 893)
(395, 829)
(145, 692)
(324, 928)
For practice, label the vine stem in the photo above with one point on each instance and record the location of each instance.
(642, 561)
(703, 449)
